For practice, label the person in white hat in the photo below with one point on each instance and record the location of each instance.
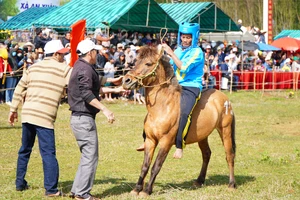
(43, 84)
(28, 49)
(120, 48)
(84, 101)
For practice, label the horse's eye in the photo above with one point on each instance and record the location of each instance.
(148, 64)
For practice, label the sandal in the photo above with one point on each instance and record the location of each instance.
(141, 148)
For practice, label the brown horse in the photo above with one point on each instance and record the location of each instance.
(162, 91)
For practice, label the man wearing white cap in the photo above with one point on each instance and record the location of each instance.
(43, 84)
(84, 101)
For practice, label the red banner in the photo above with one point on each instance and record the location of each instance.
(77, 34)
(270, 21)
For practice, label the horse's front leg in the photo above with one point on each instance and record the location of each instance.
(150, 146)
(161, 157)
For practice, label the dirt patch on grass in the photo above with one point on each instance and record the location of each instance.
(288, 128)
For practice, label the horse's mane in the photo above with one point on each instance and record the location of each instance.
(151, 52)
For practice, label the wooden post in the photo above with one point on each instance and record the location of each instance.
(220, 78)
(231, 79)
(297, 80)
(263, 86)
(273, 80)
(294, 80)
(254, 80)
(134, 94)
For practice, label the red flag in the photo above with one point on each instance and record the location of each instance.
(77, 34)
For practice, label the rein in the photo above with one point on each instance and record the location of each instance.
(163, 36)
(152, 73)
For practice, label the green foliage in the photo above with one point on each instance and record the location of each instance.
(265, 158)
(266, 166)
(63, 2)
(286, 13)
(297, 151)
(8, 8)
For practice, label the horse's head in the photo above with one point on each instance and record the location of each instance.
(146, 65)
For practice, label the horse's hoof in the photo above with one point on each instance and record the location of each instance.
(134, 193)
(197, 185)
(143, 194)
(232, 186)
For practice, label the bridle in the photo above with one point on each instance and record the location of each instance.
(151, 73)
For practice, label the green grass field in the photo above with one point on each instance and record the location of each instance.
(267, 161)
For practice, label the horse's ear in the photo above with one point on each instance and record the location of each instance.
(160, 50)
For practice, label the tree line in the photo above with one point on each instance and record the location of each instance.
(286, 13)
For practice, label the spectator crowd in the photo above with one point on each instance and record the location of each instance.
(120, 49)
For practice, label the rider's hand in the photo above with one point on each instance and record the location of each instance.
(167, 49)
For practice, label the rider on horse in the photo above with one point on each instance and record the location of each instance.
(188, 63)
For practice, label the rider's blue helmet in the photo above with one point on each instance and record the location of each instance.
(189, 28)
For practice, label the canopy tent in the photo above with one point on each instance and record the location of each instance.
(229, 36)
(1, 21)
(207, 14)
(135, 15)
(25, 19)
(288, 33)
(267, 47)
(247, 46)
(287, 43)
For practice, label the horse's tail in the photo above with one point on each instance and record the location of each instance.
(233, 133)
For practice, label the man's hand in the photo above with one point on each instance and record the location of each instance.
(109, 115)
(12, 117)
(115, 81)
(119, 89)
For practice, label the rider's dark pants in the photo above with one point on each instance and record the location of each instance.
(188, 100)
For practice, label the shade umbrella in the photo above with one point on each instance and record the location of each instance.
(267, 47)
(287, 43)
(247, 46)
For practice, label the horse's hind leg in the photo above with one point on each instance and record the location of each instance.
(148, 155)
(227, 134)
(206, 153)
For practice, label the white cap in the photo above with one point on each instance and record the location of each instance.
(234, 49)
(226, 58)
(240, 21)
(208, 47)
(105, 44)
(29, 44)
(54, 46)
(231, 56)
(120, 45)
(132, 48)
(87, 45)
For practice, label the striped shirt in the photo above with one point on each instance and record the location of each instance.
(41, 88)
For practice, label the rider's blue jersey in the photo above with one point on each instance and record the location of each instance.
(192, 69)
